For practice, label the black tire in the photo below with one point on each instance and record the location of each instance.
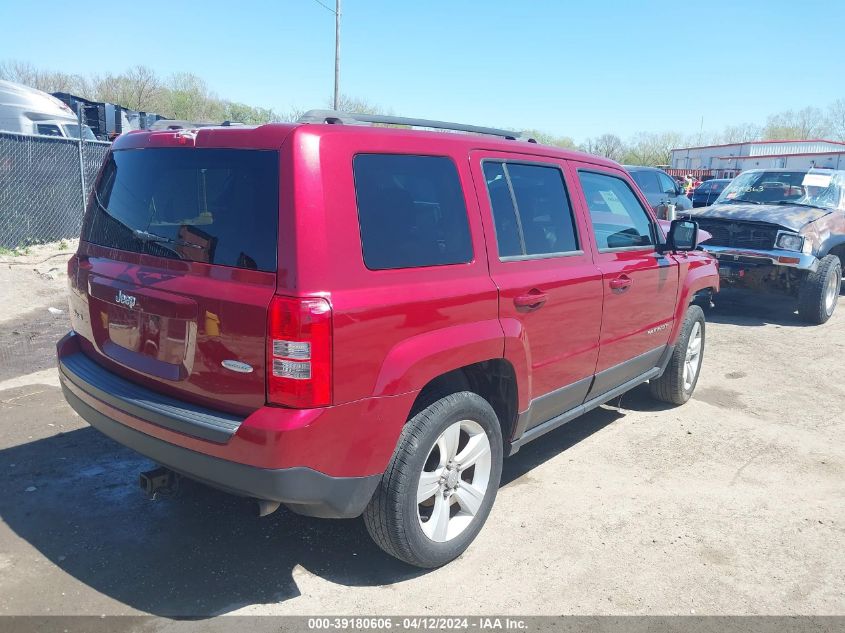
(813, 306)
(670, 387)
(392, 517)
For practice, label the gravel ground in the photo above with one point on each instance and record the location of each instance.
(731, 504)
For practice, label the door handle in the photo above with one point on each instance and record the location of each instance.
(621, 283)
(531, 300)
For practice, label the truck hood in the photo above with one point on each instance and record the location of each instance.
(788, 216)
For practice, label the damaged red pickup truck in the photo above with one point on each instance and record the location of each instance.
(350, 319)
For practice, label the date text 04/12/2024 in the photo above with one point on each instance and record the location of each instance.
(418, 623)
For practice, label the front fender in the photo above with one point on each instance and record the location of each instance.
(414, 362)
(698, 271)
(829, 242)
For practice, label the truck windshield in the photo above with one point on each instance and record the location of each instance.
(72, 131)
(218, 206)
(816, 187)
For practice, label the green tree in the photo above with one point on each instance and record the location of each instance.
(836, 119)
(545, 138)
(801, 124)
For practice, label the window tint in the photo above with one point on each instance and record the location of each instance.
(541, 223)
(218, 206)
(411, 210)
(647, 181)
(619, 220)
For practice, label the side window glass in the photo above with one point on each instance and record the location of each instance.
(411, 211)
(619, 220)
(48, 130)
(667, 185)
(646, 181)
(508, 235)
(541, 221)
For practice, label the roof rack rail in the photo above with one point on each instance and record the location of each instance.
(353, 118)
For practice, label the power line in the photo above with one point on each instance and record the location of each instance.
(326, 7)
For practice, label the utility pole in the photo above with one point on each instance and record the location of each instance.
(337, 54)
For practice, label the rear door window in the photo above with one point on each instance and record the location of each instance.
(619, 220)
(531, 209)
(218, 206)
(411, 211)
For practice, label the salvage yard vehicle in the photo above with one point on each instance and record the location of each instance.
(351, 319)
(782, 231)
(659, 187)
(707, 192)
(25, 110)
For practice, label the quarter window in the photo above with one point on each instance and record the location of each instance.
(531, 209)
(619, 220)
(411, 211)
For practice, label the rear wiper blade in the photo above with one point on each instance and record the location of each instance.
(146, 236)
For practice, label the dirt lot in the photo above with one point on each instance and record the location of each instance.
(732, 504)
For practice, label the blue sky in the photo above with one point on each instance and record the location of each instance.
(570, 68)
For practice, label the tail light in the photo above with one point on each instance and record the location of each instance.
(299, 352)
(72, 270)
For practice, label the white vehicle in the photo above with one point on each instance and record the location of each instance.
(25, 110)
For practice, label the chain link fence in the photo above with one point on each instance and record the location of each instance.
(41, 187)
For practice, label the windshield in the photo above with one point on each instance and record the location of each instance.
(72, 131)
(218, 206)
(815, 187)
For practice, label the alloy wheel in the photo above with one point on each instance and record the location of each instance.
(831, 293)
(454, 480)
(692, 363)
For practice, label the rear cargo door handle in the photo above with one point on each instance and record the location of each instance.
(621, 283)
(531, 300)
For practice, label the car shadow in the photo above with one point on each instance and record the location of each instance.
(198, 553)
(555, 442)
(735, 307)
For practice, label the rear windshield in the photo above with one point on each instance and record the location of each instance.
(218, 206)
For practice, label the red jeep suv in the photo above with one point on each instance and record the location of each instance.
(353, 319)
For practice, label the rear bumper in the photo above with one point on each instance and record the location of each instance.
(277, 445)
(305, 490)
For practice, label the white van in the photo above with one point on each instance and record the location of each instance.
(25, 110)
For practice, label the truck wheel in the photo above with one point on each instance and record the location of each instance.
(819, 291)
(440, 484)
(677, 383)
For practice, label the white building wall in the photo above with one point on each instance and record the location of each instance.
(831, 161)
(702, 157)
(741, 156)
(794, 147)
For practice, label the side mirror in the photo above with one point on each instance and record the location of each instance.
(683, 235)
